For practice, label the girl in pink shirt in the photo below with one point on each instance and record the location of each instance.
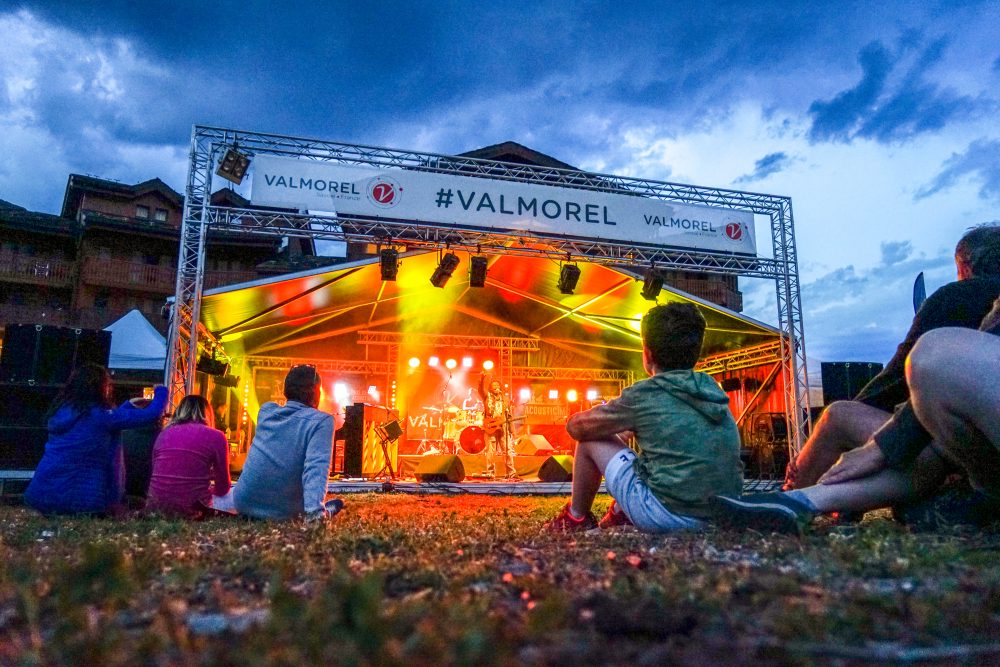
(188, 456)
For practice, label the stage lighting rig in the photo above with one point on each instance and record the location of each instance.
(388, 260)
(652, 283)
(233, 165)
(444, 269)
(569, 275)
(477, 271)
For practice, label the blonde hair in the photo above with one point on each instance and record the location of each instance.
(193, 409)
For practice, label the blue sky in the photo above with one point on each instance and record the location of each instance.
(878, 119)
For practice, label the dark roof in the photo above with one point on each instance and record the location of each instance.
(78, 185)
(12, 215)
(511, 151)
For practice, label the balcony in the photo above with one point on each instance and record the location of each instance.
(15, 314)
(36, 270)
(220, 278)
(129, 275)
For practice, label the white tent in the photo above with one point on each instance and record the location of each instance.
(136, 344)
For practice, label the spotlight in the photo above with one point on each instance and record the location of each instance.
(553, 394)
(488, 365)
(652, 283)
(450, 364)
(569, 275)
(444, 270)
(525, 394)
(414, 362)
(591, 394)
(571, 395)
(466, 362)
(389, 263)
(477, 271)
(233, 166)
(433, 362)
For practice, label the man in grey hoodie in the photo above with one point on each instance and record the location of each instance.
(687, 441)
(286, 470)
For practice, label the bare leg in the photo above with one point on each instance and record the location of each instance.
(882, 489)
(844, 425)
(588, 468)
(508, 454)
(955, 390)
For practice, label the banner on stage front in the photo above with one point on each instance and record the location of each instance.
(497, 205)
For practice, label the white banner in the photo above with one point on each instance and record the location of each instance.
(507, 206)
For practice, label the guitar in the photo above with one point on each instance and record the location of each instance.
(493, 424)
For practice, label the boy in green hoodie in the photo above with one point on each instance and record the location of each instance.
(687, 440)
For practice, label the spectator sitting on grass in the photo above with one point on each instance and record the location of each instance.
(83, 470)
(689, 446)
(287, 467)
(952, 422)
(188, 456)
(848, 425)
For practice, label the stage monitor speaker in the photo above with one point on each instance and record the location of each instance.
(558, 468)
(842, 380)
(440, 468)
(43, 354)
(532, 445)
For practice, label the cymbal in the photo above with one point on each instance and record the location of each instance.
(451, 409)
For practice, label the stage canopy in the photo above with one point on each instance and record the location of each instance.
(136, 344)
(319, 313)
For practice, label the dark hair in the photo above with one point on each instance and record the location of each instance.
(979, 250)
(673, 334)
(88, 386)
(193, 409)
(300, 384)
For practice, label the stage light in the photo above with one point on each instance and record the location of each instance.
(414, 362)
(571, 395)
(373, 392)
(233, 166)
(553, 394)
(488, 365)
(652, 283)
(444, 270)
(525, 394)
(388, 261)
(340, 393)
(433, 362)
(569, 275)
(450, 364)
(477, 271)
(592, 394)
(466, 362)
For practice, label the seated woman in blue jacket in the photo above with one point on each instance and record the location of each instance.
(82, 470)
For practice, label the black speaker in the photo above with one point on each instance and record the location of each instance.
(42, 354)
(842, 380)
(23, 432)
(353, 435)
(440, 468)
(532, 445)
(558, 468)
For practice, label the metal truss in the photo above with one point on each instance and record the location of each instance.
(577, 374)
(208, 142)
(367, 368)
(448, 340)
(748, 357)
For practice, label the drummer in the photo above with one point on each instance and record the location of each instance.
(472, 403)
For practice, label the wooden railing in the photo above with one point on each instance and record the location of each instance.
(37, 270)
(128, 275)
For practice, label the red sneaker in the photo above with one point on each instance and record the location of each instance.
(614, 518)
(565, 522)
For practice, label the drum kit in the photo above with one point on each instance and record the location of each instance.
(462, 432)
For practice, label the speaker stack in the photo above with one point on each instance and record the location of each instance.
(35, 363)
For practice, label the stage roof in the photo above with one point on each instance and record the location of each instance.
(318, 313)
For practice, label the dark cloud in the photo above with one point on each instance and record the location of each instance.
(980, 161)
(887, 108)
(894, 252)
(771, 163)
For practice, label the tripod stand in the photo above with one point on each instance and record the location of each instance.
(387, 433)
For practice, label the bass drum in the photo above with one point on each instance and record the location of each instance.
(472, 440)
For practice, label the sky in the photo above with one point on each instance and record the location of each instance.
(878, 119)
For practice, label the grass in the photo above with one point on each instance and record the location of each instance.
(470, 580)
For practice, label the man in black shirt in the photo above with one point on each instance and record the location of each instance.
(848, 425)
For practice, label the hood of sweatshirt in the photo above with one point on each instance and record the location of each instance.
(698, 390)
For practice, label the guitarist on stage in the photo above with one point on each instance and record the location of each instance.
(496, 426)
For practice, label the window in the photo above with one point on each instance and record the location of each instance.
(161, 214)
(101, 300)
(142, 212)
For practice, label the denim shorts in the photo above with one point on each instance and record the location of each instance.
(638, 502)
